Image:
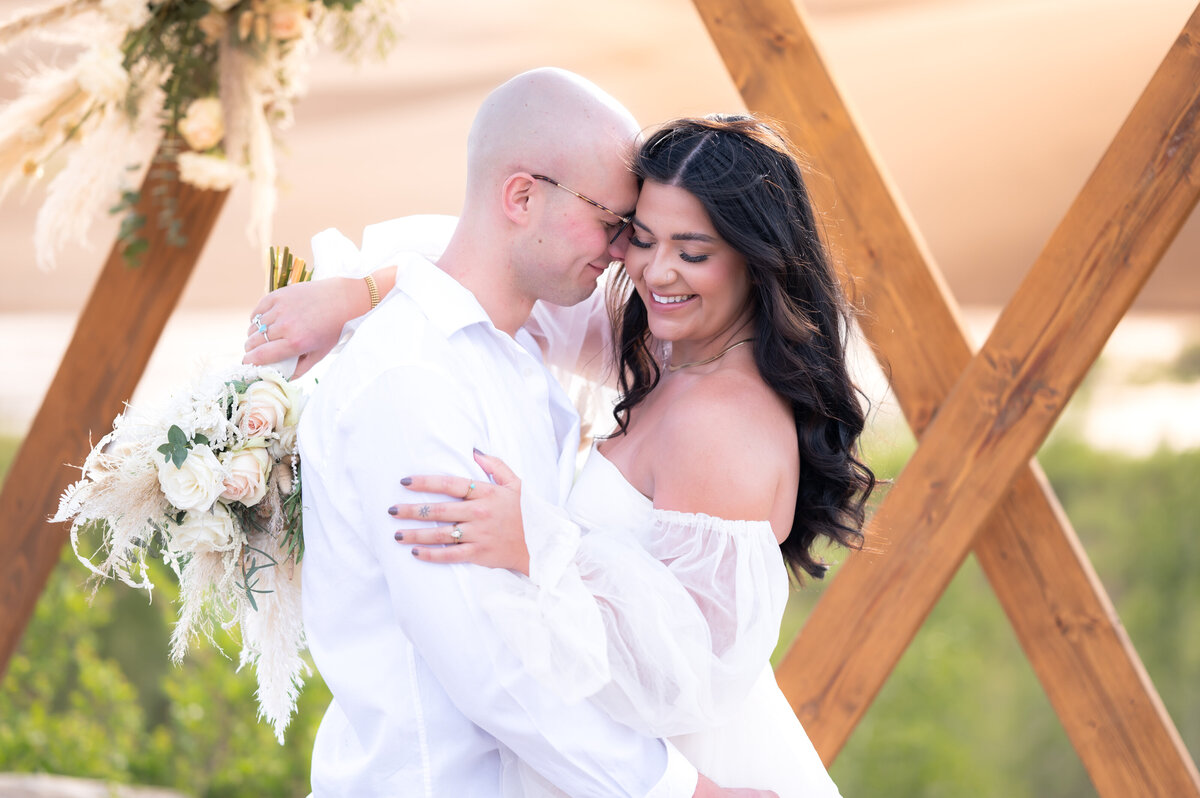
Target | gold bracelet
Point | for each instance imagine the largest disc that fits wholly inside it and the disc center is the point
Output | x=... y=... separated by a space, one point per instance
x=373 y=290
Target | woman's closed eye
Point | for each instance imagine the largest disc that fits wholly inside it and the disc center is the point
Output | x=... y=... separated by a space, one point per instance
x=692 y=258
x=637 y=242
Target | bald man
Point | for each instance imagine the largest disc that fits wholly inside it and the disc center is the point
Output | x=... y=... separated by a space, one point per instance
x=427 y=699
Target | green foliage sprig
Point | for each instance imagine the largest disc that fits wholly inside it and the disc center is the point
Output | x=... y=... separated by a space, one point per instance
x=176 y=449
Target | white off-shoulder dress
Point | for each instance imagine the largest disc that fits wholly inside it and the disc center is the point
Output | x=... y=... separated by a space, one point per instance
x=667 y=621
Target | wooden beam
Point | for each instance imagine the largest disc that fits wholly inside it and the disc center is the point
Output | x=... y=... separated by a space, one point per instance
x=1060 y=613
x=113 y=341
x=1012 y=391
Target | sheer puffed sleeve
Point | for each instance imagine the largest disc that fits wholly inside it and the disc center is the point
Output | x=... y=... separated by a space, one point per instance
x=666 y=627
x=383 y=244
x=576 y=339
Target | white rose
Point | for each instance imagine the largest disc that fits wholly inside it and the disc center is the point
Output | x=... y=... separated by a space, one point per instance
x=203 y=126
x=288 y=20
x=196 y=484
x=102 y=75
x=204 y=531
x=210 y=172
x=297 y=399
x=247 y=479
x=265 y=406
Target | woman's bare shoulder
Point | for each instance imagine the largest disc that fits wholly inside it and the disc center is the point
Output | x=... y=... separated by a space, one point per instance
x=724 y=445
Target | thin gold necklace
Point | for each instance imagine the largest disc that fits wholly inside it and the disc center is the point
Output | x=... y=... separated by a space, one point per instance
x=718 y=355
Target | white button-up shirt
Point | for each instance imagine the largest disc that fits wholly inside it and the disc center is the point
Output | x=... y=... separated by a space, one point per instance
x=427 y=699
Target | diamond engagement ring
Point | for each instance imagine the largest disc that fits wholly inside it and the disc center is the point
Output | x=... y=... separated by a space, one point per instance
x=456 y=534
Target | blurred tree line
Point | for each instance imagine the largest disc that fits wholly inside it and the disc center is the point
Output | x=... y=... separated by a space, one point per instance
x=91 y=693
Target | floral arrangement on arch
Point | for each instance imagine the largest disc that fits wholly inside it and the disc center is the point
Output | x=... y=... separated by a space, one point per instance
x=213 y=81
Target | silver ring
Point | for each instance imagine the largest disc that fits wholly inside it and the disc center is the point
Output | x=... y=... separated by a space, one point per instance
x=456 y=534
x=262 y=328
x=257 y=319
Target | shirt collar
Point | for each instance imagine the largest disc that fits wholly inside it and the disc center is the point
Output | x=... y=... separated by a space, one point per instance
x=449 y=305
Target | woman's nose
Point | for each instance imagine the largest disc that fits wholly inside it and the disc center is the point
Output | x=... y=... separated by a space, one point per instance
x=658 y=271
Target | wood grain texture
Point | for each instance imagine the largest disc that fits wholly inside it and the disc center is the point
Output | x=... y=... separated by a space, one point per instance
x=1065 y=622
x=113 y=340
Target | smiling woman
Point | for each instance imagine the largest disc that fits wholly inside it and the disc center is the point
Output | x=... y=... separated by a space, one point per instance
x=694 y=285
x=728 y=270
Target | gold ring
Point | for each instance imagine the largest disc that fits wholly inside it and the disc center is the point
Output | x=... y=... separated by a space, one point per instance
x=456 y=534
x=470 y=488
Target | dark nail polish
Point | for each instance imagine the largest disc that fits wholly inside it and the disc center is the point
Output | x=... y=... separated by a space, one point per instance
x=399 y=536
x=416 y=552
x=406 y=481
x=393 y=511
x=481 y=454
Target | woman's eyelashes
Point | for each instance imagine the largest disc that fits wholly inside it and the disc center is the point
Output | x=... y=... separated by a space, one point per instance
x=640 y=244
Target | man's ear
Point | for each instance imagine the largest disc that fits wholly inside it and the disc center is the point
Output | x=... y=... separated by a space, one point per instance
x=516 y=197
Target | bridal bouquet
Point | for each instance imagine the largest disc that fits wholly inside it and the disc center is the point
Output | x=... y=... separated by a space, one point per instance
x=211 y=485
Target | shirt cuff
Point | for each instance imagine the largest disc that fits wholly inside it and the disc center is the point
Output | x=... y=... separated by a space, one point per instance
x=680 y=778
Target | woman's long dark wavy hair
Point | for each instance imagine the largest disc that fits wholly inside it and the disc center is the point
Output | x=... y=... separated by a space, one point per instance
x=749 y=180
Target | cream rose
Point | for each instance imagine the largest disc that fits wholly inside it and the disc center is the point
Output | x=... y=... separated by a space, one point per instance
x=204 y=532
x=196 y=484
x=203 y=126
x=210 y=172
x=247 y=479
x=288 y=20
x=264 y=407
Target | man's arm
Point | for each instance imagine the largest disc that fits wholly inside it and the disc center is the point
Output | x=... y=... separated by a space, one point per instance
x=406 y=424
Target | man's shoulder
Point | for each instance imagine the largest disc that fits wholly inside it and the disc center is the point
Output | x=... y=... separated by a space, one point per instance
x=396 y=341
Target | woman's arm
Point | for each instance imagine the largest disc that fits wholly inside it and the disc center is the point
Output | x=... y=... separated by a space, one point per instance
x=690 y=608
x=305 y=320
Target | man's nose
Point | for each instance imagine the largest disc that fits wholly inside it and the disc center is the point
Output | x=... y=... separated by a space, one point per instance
x=619 y=245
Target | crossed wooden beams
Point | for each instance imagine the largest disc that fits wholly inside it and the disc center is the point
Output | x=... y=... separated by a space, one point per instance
x=971 y=482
